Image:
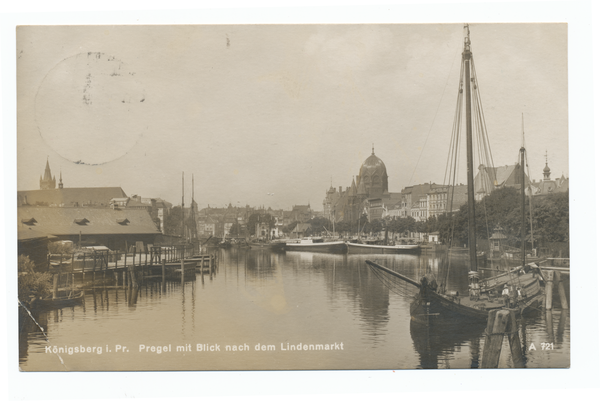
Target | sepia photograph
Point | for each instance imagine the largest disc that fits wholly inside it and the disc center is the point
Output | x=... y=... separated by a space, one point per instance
x=293 y=197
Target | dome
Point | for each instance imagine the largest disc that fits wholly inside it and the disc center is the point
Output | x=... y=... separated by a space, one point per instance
x=546 y=169
x=373 y=165
x=373 y=177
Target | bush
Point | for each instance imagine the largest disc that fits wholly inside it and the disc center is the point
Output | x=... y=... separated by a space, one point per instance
x=32 y=283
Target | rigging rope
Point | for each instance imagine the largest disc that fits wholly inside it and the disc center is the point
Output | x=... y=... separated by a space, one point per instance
x=394 y=284
x=435 y=115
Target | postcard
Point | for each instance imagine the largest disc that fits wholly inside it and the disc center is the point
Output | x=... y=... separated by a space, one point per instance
x=293 y=197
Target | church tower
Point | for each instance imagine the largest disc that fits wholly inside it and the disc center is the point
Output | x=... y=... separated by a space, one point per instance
x=372 y=179
x=546 y=169
x=48 y=182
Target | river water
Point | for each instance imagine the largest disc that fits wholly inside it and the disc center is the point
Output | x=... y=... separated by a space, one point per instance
x=260 y=310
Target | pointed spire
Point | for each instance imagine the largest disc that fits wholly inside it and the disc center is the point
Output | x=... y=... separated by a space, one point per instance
x=372 y=148
x=546 y=169
x=47 y=172
x=48 y=182
x=352 y=188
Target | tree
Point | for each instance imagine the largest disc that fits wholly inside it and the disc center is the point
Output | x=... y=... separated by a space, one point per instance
x=362 y=223
x=235 y=230
x=431 y=224
x=402 y=225
x=260 y=218
x=375 y=226
x=502 y=208
x=290 y=227
x=31 y=283
x=318 y=224
x=343 y=227
x=174 y=221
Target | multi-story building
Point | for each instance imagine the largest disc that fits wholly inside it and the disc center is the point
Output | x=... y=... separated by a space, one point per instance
x=445 y=198
x=371 y=183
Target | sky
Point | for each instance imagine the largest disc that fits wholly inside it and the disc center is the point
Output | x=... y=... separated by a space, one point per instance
x=274 y=115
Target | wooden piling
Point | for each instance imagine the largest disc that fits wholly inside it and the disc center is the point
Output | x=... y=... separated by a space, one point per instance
x=562 y=321
x=515 y=342
x=549 y=325
x=561 y=290
x=493 y=341
x=55 y=285
x=549 y=287
x=132 y=279
x=182 y=271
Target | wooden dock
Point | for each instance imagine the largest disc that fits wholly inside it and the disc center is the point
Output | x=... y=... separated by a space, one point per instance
x=89 y=268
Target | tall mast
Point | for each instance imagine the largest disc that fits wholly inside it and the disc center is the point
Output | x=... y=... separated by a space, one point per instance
x=523 y=195
x=182 y=210
x=466 y=56
x=192 y=215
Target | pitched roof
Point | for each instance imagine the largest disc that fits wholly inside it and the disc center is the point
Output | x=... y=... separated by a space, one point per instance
x=503 y=175
x=353 y=189
x=301 y=208
x=27 y=234
x=98 y=196
x=62 y=220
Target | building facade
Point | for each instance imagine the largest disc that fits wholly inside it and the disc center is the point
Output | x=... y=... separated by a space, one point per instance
x=371 y=183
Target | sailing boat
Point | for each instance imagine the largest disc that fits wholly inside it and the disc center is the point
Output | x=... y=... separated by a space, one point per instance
x=433 y=304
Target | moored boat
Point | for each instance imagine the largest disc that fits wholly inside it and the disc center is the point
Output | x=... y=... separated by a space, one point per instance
x=444 y=308
x=520 y=287
x=354 y=248
x=71 y=299
x=271 y=246
x=308 y=245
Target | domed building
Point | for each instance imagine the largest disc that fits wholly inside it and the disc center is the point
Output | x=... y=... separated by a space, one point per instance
x=348 y=205
x=372 y=179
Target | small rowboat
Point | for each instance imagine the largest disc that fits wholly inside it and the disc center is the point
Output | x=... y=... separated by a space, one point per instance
x=72 y=299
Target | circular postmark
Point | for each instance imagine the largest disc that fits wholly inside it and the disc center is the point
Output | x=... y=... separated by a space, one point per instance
x=90 y=108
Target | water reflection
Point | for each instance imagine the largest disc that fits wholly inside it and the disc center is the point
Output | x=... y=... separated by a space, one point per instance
x=255 y=296
x=436 y=346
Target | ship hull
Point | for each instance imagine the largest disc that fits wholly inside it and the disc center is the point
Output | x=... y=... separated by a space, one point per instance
x=326 y=247
x=382 y=249
x=438 y=310
x=275 y=247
